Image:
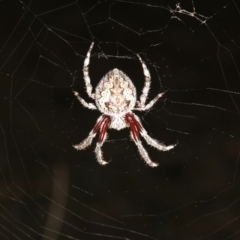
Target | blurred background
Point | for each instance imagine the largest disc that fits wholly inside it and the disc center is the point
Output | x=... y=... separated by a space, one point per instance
x=48 y=190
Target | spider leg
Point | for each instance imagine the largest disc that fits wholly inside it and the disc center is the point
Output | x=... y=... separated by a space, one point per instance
x=150 y=104
x=144 y=154
x=87 y=142
x=155 y=143
x=86 y=73
x=147 y=83
x=98 y=152
x=151 y=141
x=101 y=139
x=83 y=102
x=135 y=128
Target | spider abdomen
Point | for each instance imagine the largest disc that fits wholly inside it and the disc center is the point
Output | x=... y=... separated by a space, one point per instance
x=115 y=93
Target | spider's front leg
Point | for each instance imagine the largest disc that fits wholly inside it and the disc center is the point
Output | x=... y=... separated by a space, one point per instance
x=88 y=141
x=136 y=128
x=151 y=141
x=101 y=127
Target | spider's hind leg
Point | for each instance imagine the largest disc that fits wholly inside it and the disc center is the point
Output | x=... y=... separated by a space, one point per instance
x=144 y=107
x=83 y=102
x=147 y=83
x=86 y=76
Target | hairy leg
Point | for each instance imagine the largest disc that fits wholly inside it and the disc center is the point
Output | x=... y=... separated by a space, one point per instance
x=147 y=83
x=155 y=143
x=86 y=73
x=144 y=154
x=150 y=104
x=101 y=139
x=101 y=127
x=86 y=142
x=98 y=152
x=135 y=128
x=151 y=141
x=84 y=103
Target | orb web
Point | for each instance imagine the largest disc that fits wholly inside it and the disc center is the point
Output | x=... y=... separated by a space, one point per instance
x=50 y=191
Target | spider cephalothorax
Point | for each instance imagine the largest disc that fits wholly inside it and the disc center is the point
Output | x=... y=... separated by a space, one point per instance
x=116 y=97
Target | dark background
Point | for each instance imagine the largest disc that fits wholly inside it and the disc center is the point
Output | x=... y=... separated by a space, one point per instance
x=48 y=190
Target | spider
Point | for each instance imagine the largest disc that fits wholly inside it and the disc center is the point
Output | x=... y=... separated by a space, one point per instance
x=115 y=97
